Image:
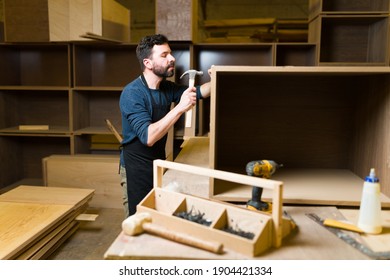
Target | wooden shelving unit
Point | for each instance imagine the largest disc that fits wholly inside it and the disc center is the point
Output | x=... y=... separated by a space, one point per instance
x=350 y=32
x=74 y=86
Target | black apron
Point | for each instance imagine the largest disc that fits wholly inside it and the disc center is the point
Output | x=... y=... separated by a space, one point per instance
x=139 y=158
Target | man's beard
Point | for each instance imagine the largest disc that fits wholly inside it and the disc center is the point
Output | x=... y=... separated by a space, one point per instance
x=163 y=72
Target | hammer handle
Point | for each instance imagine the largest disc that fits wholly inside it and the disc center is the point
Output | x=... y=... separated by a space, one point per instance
x=186 y=239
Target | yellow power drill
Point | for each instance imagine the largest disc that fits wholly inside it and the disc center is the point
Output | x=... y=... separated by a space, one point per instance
x=263 y=169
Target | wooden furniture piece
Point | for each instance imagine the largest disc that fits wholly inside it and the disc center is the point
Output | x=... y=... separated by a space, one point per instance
x=97 y=172
x=327 y=125
x=64 y=20
x=310 y=242
x=34 y=221
x=69 y=87
x=350 y=32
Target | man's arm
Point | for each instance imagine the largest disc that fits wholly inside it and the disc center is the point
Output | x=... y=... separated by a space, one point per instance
x=205 y=89
x=158 y=129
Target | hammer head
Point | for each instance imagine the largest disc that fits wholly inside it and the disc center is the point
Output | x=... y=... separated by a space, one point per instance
x=133 y=225
x=191 y=73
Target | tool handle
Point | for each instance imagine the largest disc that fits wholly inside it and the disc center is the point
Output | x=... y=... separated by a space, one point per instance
x=342 y=225
x=188 y=116
x=191 y=82
x=186 y=239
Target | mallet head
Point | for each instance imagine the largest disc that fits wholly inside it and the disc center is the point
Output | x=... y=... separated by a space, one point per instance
x=133 y=225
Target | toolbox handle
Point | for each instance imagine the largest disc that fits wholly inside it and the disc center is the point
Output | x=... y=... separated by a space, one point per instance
x=276 y=186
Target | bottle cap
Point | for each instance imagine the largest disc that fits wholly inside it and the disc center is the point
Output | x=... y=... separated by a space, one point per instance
x=372 y=177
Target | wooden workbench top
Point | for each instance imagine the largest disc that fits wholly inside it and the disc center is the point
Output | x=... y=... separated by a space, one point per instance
x=310 y=242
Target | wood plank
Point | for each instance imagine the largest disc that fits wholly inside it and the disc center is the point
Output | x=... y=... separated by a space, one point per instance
x=33 y=127
x=53 y=195
x=239 y=22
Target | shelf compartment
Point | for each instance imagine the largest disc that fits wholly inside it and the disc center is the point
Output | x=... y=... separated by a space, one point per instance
x=194 y=206
x=295 y=54
x=303 y=117
x=317 y=7
x=35 y=107
x=95 y=143
x=24 y=156
x=92 y=107
x=35 y=65
x=355 y=40
x=104 y=65
x=207 y=55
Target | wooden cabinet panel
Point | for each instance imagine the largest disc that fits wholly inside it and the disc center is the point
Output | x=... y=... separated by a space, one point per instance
x=352 y=40
x=304 y=117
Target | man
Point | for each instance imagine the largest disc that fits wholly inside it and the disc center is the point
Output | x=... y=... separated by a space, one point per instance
x=146 y=115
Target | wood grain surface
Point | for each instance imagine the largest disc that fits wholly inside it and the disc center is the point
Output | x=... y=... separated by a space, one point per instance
x=33 y=220
x=309 y=242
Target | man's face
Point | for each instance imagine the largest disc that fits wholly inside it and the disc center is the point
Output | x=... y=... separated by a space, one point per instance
x=162 y=60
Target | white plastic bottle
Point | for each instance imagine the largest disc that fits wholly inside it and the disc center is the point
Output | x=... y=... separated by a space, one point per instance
x=370 y=206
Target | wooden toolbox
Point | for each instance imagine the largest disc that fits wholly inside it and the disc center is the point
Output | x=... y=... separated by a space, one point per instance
x=224 y=220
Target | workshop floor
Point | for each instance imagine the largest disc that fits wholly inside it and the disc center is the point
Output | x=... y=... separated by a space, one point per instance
x=92 y=239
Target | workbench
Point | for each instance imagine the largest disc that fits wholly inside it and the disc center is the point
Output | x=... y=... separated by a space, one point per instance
x=309 y=241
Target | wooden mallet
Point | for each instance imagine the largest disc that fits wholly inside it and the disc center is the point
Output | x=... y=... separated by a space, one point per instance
x=142 y=222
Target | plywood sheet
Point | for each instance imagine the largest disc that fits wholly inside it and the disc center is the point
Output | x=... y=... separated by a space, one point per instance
x=35 y=219
x=194 y=151
x=45 y=195
x=20 y=223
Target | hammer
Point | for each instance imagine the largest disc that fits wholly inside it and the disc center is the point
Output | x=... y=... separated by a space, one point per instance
x=142 y=222
x=191 y=74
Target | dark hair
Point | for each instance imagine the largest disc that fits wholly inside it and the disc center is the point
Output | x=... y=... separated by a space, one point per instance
x=145 y=46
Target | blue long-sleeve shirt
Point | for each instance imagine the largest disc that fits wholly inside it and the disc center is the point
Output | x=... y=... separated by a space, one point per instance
x=136 y=106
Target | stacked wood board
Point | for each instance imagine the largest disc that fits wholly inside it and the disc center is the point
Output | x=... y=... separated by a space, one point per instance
x=58 y=20
x=98 y=172
x=34 y=221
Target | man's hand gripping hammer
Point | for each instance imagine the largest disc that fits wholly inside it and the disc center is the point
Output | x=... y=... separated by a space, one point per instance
x=189 y=115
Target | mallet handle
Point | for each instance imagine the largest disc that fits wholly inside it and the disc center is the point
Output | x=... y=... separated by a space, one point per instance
x=186 y=239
